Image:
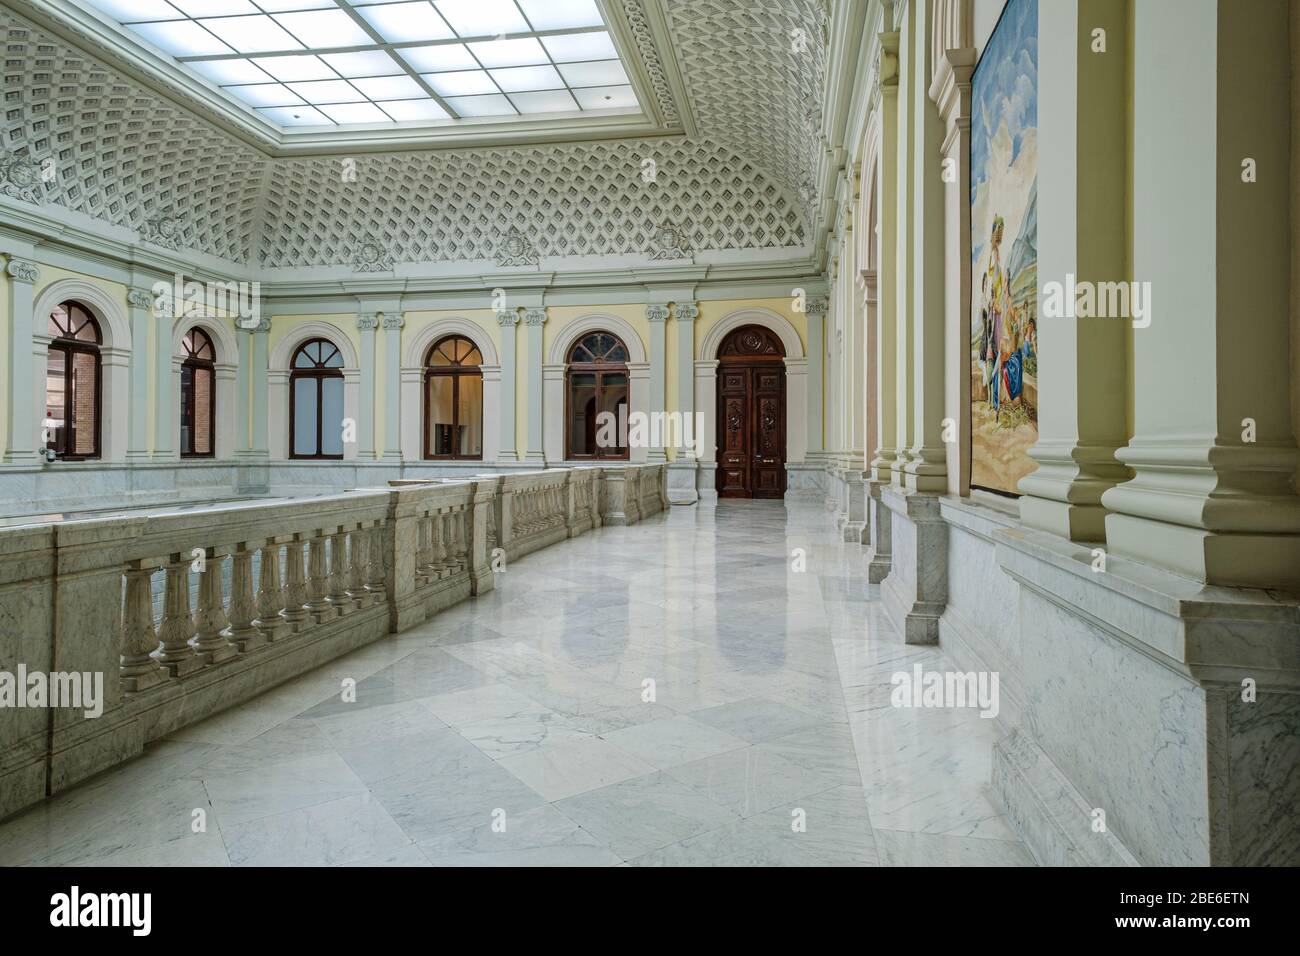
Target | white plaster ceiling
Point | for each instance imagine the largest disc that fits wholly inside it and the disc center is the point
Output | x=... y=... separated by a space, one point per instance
x=745 y=78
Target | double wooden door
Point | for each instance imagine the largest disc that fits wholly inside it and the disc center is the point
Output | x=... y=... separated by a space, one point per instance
x=751 y=429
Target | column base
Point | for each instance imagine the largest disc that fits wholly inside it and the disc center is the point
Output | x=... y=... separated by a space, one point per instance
x=916 y=590
x=535 y=459
x=878 y=533
x=682 y=483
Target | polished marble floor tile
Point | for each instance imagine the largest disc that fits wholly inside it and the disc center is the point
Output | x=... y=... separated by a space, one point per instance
x=673 y=693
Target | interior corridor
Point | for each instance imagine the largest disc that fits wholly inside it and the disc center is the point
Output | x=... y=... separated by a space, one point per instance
x=513 y=729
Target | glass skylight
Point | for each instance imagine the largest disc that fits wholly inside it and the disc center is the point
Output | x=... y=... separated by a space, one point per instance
x=313 y=63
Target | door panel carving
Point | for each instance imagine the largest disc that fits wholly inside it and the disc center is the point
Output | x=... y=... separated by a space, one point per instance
x=751 y=415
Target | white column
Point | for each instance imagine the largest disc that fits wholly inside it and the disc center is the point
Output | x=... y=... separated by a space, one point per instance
x=682 y=477
x=639 y=375
x=657 y=316
x=140 y=304
x=553 y=425
x=243 y=379
x=885 y=454
x=260 y=371
x=24 y=418
x=535 y=454
x=393 y=386
x=816 y=316
x=367 y=324
x=508 y=452
x=165 y=415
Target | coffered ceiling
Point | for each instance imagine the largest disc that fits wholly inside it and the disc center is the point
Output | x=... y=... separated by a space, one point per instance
x=688 y=126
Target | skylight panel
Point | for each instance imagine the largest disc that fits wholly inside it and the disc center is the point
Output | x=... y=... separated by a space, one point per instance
x=482 y=18
x=606 y=97
x=580 y=46
x=181 y=38
x=464 y=83
x=264 y=94
x=390 y=87
x=407 y=22
x=521 y=52
x=410 y=111
x=355 y=113
x=287 y=68
x=232 y=71
x=561 y=14
x=295 y=116
x=363 y=63
x=520 y=78
x=327 y=91
x=324 y=28
x=596 y=73
x=548 y=101
x=439 y=59
x=127 y=11
x=481 y=105
x=215 y=8
x=257 y=34
x=282 y=6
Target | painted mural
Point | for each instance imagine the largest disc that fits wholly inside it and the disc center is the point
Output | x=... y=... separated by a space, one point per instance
x=1004 y=252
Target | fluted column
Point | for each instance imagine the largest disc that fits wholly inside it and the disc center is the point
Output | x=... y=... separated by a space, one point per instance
x=366 y=325
x=23 y=416
x=657 y=316
x=393 y=386
x=534 y=320
x=139 y=305
x=508 y=451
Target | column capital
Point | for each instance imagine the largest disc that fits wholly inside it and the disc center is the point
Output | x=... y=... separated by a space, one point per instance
x=261 y=325
x=22 y=271
x=394 y=322
x=367 y=321
x=817 y=305
x=535 y=317
x=507 y=318
x=688 y=312
x=656 y=313
x=139 y=298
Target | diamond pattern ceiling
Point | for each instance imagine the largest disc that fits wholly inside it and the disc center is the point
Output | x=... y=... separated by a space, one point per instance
x=127 y=156
x=326 y=63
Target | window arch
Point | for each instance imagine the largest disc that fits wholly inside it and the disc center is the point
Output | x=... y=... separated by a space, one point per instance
x=198 y=395
x=316 y=401
x=596 y=391
x=453 y=400
x=73 y=383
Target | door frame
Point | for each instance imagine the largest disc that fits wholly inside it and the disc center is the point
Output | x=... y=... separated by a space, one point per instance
x=750 y=365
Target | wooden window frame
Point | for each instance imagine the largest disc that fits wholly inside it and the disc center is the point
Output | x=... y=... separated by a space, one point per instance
x=319 y=374
x=601 y=369
x=70 y=346
x=193 y=362
x=455 y=372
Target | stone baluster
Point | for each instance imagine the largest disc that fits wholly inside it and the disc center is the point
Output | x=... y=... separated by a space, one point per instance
x=176 y=652
x=139 y=669
x=461 y=554
x=339 y=573
x=441 y=564
x=295 y=585
x=318 y=580
x=425 y=561
x=359 y=558
x=377 y=568
x=270 y=596
x=243 y=607
x=210 y=620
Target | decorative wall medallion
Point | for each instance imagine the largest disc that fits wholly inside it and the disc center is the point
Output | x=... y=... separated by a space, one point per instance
x=371 y=256
x=514 y=249
x=20 y=178
x=670 y=242
x=162 y=231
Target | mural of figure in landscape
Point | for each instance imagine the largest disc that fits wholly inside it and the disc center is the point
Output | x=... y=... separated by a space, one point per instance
x=1004 y=252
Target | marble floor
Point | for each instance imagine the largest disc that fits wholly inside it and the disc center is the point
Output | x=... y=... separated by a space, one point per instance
x=708 y=687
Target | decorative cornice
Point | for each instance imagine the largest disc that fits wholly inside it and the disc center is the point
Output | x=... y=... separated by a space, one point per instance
x=535 y=317
x=22 y=270
x=686 y=313
x=645 y=46
x=367 y=322
x=656 y=313
x=393 y=323
x=507 y=318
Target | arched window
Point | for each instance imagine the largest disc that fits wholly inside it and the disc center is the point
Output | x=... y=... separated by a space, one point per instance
x=453 y=400
x=597 y=391
x=198 y=395
x=73 y=383
x=316 y=401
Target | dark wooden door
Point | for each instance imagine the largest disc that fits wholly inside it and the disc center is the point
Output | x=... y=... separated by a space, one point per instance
x=751 y=429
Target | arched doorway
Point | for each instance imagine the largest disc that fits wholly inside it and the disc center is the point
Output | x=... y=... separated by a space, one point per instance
x=751 y=414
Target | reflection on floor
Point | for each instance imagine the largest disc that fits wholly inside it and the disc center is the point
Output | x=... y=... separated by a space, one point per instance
x=669 y=693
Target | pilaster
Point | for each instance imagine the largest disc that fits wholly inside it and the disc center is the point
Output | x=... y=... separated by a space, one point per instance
x=21 y=429
x=139 y=306
x=367 y=324
x=393 y=325
x=508 y=320
x=657 y=316
x=535 y=320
